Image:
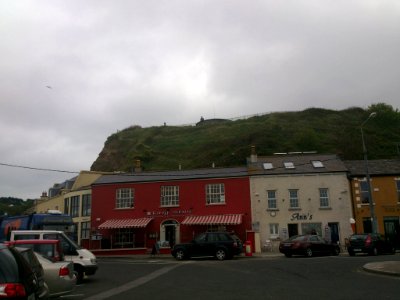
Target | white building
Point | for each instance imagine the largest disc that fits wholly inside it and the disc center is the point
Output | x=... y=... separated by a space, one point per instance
x=299 y=194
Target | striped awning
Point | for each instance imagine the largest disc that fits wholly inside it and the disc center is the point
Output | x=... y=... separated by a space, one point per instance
x=125 y=223
x=213 y=220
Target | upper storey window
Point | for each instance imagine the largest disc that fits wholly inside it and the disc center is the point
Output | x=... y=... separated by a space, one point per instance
x=169 y=195
x=124 y=198
x=215 y=193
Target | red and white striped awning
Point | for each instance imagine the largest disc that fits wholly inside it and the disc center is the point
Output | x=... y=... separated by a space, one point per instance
x=125 y=223
x=213 y=220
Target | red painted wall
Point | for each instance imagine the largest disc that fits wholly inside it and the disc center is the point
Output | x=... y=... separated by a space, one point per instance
x=192 y=201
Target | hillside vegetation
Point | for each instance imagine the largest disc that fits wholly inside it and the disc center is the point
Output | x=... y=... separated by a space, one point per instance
x=14 y=206
x=227 y=143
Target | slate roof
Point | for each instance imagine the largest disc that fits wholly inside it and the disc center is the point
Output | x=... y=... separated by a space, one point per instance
x=378 y=167
x=302 y=164
x=172 y=175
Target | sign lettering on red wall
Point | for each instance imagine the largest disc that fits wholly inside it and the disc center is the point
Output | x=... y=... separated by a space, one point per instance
x=163 y=213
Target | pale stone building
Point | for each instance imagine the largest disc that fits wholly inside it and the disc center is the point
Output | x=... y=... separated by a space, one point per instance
x=298 y=194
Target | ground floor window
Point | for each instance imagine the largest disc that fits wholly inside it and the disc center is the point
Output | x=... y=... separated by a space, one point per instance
x=124 y=237
x=311 y=228
x=214 y=228
x=85 y=230
x=274 y=230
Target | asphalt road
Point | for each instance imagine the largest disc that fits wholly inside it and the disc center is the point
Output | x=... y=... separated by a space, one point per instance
x=336 y=277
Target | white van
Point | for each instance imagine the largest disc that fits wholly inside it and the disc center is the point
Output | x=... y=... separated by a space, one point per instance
x=84 y=261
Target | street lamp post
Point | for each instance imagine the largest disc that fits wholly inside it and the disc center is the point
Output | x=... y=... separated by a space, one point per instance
x=370 y=200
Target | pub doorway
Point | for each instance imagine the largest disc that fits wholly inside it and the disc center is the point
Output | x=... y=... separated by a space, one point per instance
x=170 y=232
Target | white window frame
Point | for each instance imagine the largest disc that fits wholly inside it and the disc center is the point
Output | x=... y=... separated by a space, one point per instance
x=271 y=198
x=324 y=197
x=124 y=198
x=398 y=189
x=86 y=205
x=274 y=230
x=75 y=206
x=85 y=230
x=215 y=193
x=294 y=199
x=169 y=195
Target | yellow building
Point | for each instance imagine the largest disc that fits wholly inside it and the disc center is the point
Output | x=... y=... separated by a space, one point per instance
x=385 y=192
x=73 y=197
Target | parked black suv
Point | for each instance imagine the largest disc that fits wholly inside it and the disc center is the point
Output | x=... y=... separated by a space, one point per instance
x=371 y=243
x=17 y=279
x=220 y=245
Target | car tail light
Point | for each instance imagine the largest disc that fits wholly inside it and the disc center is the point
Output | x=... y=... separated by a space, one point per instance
x=64 y=271
x=368 y=241
x=10 y=290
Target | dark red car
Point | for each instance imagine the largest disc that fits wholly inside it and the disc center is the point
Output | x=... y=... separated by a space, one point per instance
x=308 y=245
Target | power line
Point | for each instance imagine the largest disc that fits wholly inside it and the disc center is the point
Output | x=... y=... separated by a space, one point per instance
x=37 y=169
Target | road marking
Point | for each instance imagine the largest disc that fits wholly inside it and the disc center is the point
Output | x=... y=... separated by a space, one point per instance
x=72 y=295
x=133 y=284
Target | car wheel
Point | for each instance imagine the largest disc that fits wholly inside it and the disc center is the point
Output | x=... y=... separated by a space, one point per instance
x=374 y=251
x=351 y=253
x=220 y=254
x=288 y=254
x=180 y=254
x=79 y=274
x=309 y=252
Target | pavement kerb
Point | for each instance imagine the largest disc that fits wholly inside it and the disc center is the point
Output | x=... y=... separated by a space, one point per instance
x=391 y=268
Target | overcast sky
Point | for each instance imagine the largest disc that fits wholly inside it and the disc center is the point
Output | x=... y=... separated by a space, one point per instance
x=74 y=72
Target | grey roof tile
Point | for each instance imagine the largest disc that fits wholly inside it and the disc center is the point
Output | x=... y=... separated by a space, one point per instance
x=378 y=167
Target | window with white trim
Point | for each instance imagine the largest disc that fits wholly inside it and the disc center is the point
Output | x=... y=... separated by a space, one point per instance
x=215 y=193
x=169 y=195
x=75 y=206
x=86 y=205
x=293 y=199
x=85 y=230
x=124 y=198
x=271 y=196
x=323 y=197
x=398 y=189
x=274 y=230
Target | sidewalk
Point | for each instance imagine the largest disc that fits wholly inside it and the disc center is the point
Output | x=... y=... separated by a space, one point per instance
x=385 y=267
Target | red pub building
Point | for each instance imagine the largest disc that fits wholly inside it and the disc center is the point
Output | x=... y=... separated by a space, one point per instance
x=133 y=211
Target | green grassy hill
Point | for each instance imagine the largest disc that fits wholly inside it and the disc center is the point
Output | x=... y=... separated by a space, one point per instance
x=227 y=142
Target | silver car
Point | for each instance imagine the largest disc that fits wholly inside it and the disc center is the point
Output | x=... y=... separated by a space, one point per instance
x=59 y=275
